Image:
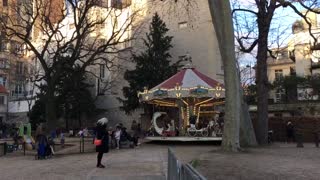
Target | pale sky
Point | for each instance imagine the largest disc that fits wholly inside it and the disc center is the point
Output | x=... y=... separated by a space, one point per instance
x=281 y=24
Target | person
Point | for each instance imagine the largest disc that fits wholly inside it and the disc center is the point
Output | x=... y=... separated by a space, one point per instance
x=62 y=139
x=71 y=133
x=117 y=136
x=103 y=135
x=126 y=136
x=80 y=133
x=290 y=131
x=139 y=130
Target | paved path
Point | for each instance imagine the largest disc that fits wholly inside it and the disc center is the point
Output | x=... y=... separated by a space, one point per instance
x=145 y=163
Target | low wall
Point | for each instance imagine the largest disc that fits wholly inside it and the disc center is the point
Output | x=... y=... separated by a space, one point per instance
x=307 y=126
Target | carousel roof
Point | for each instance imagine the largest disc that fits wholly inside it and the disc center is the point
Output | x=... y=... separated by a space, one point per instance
x=188 y=78
x=185 y=84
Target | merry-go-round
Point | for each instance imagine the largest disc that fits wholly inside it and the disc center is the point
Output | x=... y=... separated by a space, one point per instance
x=197 y=102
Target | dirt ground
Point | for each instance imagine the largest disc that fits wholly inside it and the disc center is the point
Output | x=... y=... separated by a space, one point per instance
x=149 y=161
x=276 y=162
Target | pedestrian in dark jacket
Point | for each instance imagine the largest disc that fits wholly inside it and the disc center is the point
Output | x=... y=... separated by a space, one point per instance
x=103 y=135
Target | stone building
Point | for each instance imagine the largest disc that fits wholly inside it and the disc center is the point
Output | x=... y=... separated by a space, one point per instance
x=299 y=58
x=193 y=37
x=191 y=26
x=15 y=65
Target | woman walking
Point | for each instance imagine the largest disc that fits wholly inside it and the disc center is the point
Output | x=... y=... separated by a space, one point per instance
x=102 y=140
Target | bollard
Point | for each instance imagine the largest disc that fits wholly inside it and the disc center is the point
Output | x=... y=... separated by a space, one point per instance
x=316 y=139
x=83 y=144
x=5 y=148
x=24 y=148
x=299 y=140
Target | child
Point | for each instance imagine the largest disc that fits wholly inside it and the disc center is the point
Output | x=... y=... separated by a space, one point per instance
x=117 y=136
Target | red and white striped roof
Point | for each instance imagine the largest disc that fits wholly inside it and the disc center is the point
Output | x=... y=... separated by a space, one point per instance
x=188 y=78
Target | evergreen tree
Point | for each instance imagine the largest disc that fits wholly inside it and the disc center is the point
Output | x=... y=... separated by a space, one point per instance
x=152 y=66
x=72 y=98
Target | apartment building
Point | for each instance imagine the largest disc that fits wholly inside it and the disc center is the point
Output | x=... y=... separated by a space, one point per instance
x=300 y=58
x=192 y=29
x=15 y=66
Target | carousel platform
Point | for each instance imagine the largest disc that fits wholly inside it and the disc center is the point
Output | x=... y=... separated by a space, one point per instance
x=184 y=139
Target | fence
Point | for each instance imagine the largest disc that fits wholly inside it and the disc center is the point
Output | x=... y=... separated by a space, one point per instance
x=180 y=171
x=72 y=145
x=307 y=127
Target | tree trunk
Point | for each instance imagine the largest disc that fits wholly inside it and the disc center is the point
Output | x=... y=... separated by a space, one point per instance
x=51 y=116
x=263 y=87
x=222 y=21
x=247 y=135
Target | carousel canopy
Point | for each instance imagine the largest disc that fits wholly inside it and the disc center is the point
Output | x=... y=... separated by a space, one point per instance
x=188 y=78
x=185 y=84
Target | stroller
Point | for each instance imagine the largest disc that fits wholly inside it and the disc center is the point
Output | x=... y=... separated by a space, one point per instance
x=44 y=147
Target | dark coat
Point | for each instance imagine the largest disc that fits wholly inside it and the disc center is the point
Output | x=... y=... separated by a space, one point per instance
x=102 y=134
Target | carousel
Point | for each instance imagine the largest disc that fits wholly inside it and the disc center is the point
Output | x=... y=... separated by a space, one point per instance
x=198 y=101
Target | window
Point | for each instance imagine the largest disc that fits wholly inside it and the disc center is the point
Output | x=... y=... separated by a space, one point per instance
x=120 y=4
x=2 y=100
x=278 y=74
x=127 y=43
x=5 y=46
x=19 y=67
x=279 y=95
x=3 y=81
x=318 y=20
x=279 y=55
x=277 y=114
x=18 y=90
x=183 y=25
x=5 y=2
x=102 y=71
x=3 y=63
x=72 y=26
x=292 y=71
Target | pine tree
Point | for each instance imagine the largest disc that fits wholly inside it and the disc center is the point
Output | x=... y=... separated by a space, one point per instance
x=153 y=66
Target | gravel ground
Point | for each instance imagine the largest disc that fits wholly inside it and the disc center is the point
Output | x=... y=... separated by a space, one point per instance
x=149 y=162
x=146 y=162
x=277 y=162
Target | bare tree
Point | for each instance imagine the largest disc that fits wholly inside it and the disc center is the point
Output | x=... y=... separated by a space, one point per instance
x=262 y=13
x=75 y=31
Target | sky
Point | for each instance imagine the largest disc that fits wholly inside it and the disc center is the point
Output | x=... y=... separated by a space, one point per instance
x=281 y=24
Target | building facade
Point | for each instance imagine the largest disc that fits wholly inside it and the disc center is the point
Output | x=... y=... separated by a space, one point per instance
x=16 y=66
x=193 y=38
x=299 y=58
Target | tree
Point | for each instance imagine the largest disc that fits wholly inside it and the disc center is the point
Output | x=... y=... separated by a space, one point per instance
x=152 y=65
x=73 y=95
x=262 y=13
x=222 y=21
x=43 y=26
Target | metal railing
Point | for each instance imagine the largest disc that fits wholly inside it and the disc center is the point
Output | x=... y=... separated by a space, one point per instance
x=180 y=171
